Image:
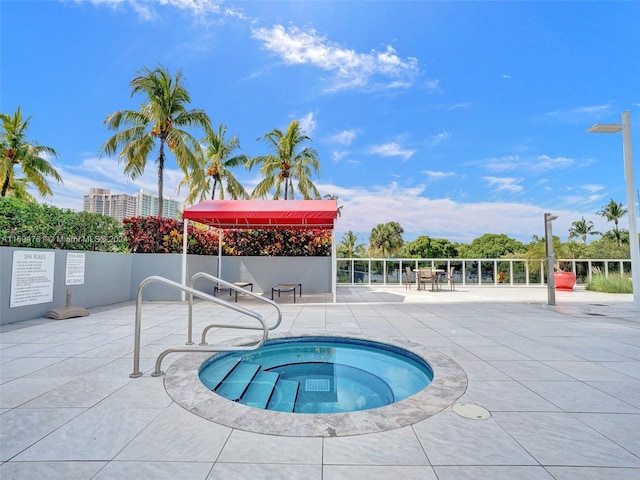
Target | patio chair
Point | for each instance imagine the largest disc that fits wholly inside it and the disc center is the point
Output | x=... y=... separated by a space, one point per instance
x=410 y=277
x=427 y=275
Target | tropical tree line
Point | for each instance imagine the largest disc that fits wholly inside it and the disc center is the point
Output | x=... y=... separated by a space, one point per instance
x=386 y=241
x=163 y=126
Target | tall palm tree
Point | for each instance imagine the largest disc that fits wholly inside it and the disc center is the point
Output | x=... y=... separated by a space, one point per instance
x=582 y=228
x=15 y=149
x=613 y=212
x=349 y=246
x=18 y=189
x=161 y=119
x=280 y=170
x=214 y=172
x=386 y=239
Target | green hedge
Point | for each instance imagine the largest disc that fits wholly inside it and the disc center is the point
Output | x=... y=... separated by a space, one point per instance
x=164 y=235
x=33 y=225
x=315 y=242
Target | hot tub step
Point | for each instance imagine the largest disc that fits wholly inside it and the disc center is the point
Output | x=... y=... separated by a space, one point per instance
x=284 y=396
x=235 y=384
x=213 y=377
x=261 y=389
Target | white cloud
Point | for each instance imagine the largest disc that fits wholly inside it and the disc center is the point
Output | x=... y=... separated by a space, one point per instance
x=366 y=207
x=505 y=184
x=392 y=149
x=433 y=85
x=461 y=105
x=350 y=69
x=308 y=123
x=580 y=115
x=499 y=164
x=546 y=163
x=541 y=163
x=439 y=138
x=434 y=174
x=580 y=200
x=589 y=194
x=343 y=138
x=147 y=9
x=592 y=188
x=337 y=156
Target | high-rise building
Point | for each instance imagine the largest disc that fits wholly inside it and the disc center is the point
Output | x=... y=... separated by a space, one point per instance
x=102 y=201
x=147 y=204
x=121 y=206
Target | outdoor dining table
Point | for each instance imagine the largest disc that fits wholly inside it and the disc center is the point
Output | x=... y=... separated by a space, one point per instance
x=435 y=273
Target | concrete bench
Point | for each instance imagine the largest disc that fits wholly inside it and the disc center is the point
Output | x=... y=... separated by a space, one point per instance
x=287 y=287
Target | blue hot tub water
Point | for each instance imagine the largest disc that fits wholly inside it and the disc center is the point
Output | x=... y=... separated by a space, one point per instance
x=317 y=375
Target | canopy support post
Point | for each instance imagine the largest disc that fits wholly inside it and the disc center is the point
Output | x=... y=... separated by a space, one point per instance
x=220 y=232
x=184 y=258
x=334 y=262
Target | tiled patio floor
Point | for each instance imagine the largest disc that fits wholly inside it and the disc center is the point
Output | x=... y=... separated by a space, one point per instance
x=562 y=384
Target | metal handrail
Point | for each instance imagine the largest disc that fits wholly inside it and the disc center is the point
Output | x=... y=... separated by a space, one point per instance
x=192 y=292
x=232 y=306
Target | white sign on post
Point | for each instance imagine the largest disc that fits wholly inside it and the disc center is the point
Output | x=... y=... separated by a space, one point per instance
x=75 y=269
x=32 y=278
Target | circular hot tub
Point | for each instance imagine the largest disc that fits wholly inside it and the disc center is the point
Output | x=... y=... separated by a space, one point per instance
x=383 y=400
x=317 y=375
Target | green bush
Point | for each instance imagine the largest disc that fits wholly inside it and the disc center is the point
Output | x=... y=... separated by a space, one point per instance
x=611 y=284
x=164 y=235
x=315 y=242
x=33 y=225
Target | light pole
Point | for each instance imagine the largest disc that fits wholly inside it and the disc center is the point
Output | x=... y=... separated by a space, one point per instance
x=548 y=237
x=631 y=210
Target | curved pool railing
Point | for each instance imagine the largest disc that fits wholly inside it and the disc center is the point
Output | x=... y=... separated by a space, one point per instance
x=233 y=287
x=193 y=293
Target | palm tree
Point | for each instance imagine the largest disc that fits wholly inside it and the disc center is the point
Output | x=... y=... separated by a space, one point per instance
x=349 y=246
x=18 y=189
x=16 y=150
x=162 y=118
x=613 y=212
x=582 y=228
x=214 y=171
x=287 y=165
x=386 y=239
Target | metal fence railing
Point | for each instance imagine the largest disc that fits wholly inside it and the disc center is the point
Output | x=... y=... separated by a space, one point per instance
x=471 y=271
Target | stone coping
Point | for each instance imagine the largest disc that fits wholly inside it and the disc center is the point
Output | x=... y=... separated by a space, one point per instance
x=449 y=383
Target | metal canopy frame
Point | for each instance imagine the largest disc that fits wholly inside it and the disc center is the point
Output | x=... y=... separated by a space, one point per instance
x=262 y=214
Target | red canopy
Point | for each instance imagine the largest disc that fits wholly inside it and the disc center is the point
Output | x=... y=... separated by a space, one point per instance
x=264 y=213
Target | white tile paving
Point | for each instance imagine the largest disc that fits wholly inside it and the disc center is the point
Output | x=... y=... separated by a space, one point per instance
x=563 y=388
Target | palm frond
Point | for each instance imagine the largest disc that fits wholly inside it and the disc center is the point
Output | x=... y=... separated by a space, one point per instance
x=28 y=156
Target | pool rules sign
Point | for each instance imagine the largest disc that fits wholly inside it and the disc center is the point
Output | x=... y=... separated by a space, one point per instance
x=74 y=274
x=31 y=278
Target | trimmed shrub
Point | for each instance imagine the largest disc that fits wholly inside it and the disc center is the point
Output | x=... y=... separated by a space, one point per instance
x=164 y=235
x=314 y=242
x=33 y=225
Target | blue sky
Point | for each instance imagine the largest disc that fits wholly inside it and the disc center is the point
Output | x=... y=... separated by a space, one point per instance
x=454 y=119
